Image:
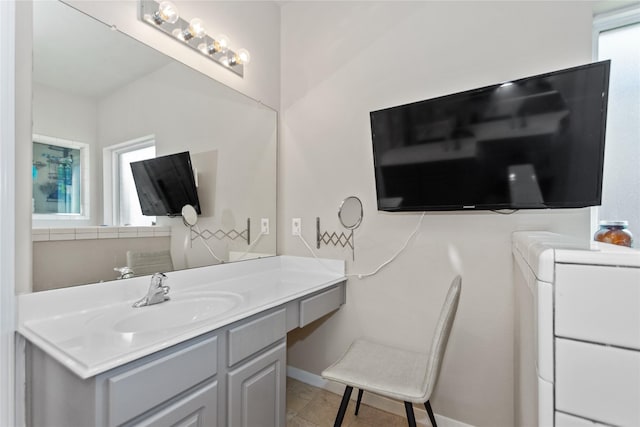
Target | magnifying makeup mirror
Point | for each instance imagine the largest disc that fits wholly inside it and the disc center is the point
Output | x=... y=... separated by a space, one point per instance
x=350 y=213
x=189 y=215
x=190 y=219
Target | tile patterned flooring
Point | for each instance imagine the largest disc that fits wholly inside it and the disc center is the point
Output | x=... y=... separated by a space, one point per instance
x=308 y=406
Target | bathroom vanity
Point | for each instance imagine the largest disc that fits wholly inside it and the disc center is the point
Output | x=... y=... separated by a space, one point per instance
x=214 y=354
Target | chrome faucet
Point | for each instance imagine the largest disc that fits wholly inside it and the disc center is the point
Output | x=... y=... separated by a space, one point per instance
x=157 y=292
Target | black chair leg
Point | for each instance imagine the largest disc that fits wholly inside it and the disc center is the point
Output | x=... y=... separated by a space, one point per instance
x=411 y=418
x=430 y=412
x=343 y=406
x=360 y=391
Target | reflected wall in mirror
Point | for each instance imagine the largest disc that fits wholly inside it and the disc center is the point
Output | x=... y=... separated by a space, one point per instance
x=122 y=97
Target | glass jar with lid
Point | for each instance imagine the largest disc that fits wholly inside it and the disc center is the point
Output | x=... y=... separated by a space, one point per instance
x=614 y=232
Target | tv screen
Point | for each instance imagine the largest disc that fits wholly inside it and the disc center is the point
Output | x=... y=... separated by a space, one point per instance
x=165 y=184
x=536 y=142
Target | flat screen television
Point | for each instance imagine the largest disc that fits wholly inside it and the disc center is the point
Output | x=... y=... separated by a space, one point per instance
x=165 y=184
x=536 y=142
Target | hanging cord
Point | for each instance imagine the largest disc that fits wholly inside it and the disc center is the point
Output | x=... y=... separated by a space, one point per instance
x=251 y=246
x=384 y=264
x=204 y=242
x=313 y=252
x=390 y=260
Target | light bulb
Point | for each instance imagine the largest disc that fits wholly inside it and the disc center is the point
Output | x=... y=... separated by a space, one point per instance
x=219 y=45
x=167 y=12
x=243 y=56
x=223 y=41
x=240 y=57
x=196 y=28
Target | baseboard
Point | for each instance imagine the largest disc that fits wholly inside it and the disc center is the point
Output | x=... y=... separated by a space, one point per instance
x=388 y=405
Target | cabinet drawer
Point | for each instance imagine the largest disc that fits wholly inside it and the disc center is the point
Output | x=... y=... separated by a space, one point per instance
x=565 y=420
x=139 y=389
x=598 y=382
x=315 y=307
x=251 y=337
x=599 y=304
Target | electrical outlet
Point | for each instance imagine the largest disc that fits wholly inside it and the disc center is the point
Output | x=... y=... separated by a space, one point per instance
x=264 y=225
x=296 y=226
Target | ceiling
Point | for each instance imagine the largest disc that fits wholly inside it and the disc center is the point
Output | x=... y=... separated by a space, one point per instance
x=64 y=40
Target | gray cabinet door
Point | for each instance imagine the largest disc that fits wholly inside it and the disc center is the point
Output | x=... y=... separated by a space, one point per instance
x=197 y=409
x=257 y=390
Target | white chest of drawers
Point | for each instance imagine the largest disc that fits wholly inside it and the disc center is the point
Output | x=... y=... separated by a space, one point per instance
x=577 y=332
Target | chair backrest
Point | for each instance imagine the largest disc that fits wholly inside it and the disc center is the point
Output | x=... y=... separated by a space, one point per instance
x=441 y=336
x=144 y=263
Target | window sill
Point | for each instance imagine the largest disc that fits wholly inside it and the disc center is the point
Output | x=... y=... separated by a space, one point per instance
x=97 y=232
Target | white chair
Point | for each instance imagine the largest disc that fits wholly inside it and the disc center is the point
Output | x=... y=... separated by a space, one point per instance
x=144 y=263
x=395 y=373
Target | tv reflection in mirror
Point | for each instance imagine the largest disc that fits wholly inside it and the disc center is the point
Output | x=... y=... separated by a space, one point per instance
x=536 y=142
x=165 y=184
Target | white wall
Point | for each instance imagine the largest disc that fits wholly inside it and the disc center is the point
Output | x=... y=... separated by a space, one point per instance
x=7 y=214
x=63 y=115
x=341 y=60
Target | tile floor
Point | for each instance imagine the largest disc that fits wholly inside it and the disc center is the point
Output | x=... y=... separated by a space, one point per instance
x=309 y=406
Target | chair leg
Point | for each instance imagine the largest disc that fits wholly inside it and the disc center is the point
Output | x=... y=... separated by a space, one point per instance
x=360 y=391
x=430 y=412
x=343 y=406
x=411 y=418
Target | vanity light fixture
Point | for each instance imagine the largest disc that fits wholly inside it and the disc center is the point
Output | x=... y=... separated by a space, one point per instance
x=164 y=16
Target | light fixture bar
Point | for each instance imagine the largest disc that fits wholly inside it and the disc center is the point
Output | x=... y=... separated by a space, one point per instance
x=205 y=45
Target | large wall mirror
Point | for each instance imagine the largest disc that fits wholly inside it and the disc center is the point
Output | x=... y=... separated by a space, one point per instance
x=121 y=101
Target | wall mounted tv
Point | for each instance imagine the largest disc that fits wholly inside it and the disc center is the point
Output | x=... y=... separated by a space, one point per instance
x=536 y=142
x=165 y=184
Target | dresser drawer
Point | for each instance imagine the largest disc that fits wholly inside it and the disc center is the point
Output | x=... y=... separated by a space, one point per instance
x=141 y=388
x=315 y=307
x=253 y=336
x=598 y=382
x=598 y=303
x=566 y=420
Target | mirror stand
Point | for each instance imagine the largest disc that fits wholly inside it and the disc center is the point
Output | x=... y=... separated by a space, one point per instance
x=350 y=214
x=220 y=234
x=334 y=238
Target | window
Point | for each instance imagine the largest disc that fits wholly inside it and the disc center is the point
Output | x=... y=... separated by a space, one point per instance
x=617 y=37
x=59 y=172
x=121 y=198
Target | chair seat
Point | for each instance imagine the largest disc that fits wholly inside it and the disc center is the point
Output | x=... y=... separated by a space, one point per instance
x=388 y=371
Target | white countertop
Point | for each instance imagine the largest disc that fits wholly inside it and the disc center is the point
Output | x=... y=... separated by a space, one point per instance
x=540 y=249
x=80 y=326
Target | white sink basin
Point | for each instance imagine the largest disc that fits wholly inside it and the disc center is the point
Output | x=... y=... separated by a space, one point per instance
x=181 y=310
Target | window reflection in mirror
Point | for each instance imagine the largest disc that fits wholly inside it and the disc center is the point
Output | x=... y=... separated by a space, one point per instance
x=57 y=172
x=122 y=198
